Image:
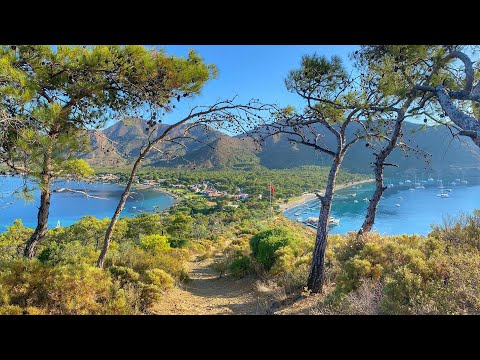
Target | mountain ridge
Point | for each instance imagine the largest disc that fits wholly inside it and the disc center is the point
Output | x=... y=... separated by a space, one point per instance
x=212 y=148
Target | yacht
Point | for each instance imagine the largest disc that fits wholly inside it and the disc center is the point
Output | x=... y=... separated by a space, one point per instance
x=333 y=222
x=355 y=201
x=407 y=181
x=397 y=205
x=296 y=214
x=443 y=193
x=400 y=183
x=430 y=179
x=401 y=198
x=454 y=183
x=313 y=221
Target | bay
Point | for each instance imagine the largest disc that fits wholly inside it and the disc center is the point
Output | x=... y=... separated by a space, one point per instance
x=418 y=210
x=68 y=207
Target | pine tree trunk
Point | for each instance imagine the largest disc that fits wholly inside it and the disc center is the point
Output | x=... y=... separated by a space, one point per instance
x=119 y=209
x=43 y=210
x=375 y=200
x=317 y=270
x=379 y=165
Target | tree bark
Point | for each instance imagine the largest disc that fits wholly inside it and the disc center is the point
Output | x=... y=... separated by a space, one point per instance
x=377 y=195
x=379 y=167
x=464 y=121
x=120 y=206
x=317 y=270
x=44 y=209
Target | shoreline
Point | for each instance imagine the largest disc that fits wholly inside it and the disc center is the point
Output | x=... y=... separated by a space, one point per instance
x=311 y=196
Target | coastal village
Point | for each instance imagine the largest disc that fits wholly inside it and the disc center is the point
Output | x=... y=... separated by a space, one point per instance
x=204 y=188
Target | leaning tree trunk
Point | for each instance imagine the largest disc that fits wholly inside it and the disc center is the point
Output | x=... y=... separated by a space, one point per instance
x=317 y=270
x=379 y=167
x=377 y=195
x=43 y=210
x=119 y=209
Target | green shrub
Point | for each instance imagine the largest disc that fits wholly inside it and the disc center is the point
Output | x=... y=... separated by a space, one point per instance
x=159 y=278
x=149 y=295
x=155 y=243
x=266 y=243
x=11 y=310
x=240 y=266
x=12 y=242
x=124 y=274
x=59 y=289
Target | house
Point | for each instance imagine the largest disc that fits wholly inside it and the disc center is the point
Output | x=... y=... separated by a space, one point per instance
x=241 y=196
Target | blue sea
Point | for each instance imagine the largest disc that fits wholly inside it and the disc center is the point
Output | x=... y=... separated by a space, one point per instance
x=68 y=207
x=418 y=210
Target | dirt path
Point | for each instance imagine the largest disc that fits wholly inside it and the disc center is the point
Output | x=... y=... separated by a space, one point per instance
x=207 y=294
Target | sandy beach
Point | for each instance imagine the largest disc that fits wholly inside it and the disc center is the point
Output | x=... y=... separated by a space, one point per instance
x=310 y=196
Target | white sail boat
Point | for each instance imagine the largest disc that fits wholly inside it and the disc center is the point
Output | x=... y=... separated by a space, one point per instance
x=417 y=184
x=58 y=224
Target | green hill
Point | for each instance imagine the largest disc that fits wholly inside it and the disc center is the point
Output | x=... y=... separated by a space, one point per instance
x=207 y=148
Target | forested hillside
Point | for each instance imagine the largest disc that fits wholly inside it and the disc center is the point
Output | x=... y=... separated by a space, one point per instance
x=217 y=149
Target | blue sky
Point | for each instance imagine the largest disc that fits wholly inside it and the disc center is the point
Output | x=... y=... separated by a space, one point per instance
x=251 y=71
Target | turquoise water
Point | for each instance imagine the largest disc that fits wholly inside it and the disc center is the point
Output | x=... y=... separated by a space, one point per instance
x=417 y=211
x=70 y=207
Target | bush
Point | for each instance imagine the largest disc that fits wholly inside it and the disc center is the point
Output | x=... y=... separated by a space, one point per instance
x=266 y=243
x=155 y=243
x=240 y=266
x=124 y=274
x=11 y=310
x=61 y=289
x=159 y=278
x=149 y=295
x=12 y=242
